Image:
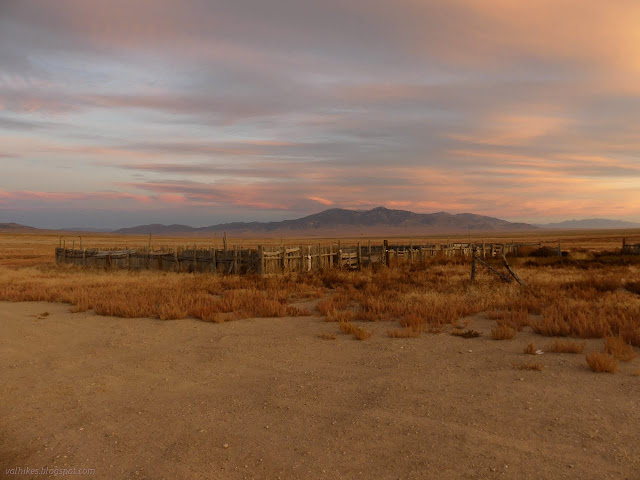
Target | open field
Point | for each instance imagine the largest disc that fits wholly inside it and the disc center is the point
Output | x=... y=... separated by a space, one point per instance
x=404 y=372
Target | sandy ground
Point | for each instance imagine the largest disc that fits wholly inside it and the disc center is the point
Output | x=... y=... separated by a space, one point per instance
x=144 y=398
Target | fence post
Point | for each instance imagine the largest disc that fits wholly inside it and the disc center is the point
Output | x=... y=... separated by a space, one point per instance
x=331 y=255
x=359 y=257
x=283 y=263
x=84 y=257
x=302 y=269
x=339 y=256
x=235 y=260
x=369 y=251
x=175 y=258
x=260 y=260
x=473 y=264
x=385 y=253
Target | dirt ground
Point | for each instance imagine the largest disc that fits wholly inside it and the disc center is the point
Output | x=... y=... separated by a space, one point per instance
x=268 y=398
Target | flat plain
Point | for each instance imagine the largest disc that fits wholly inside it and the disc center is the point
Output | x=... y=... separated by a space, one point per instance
x=402 y=372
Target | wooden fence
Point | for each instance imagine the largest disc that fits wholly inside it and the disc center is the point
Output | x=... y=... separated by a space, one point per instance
x=275 y=259
x=630 y=248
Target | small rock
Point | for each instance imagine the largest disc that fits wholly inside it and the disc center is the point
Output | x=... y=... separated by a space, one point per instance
x=226 y=445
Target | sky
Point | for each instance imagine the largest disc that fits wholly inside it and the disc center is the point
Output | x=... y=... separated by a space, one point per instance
x=198 y=112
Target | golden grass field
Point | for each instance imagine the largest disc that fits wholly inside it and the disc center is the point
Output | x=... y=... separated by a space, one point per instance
x=586 y=305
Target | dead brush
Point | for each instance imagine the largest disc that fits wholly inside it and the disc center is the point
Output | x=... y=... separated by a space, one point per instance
x=530 y=349
x=565 y=346
x=468 y=333
x=617 y=347
x=601 y=362
x=533 y=366
x=503 y=332
x=357 y=332
x=340 y=316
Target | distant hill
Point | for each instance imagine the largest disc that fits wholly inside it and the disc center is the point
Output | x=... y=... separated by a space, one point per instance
x=86 y=230
x=17 y=228
x=338 y=221
x=590 y=223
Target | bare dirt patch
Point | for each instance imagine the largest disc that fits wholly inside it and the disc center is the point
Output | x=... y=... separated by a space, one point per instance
x=146 y=398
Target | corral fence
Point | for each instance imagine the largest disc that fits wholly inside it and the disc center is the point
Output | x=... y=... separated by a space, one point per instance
x=275 y=259
x=630 y=248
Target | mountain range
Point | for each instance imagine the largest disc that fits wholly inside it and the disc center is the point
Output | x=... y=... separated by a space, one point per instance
x=590 y=223
x=339 y=221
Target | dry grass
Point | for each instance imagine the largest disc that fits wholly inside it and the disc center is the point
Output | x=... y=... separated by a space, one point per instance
x=535 y=366
x=585 y=296
x=636 y=373
x=620 y=349
x=358 y=333
x=530 y=349
x=602 y=362
x=503 y=332
x=565 y=346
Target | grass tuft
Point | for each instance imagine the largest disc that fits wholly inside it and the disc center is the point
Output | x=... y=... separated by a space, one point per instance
x=620 y=349
x=503 y=332
x=535 y=366
x=565 y=346
x=602 y=362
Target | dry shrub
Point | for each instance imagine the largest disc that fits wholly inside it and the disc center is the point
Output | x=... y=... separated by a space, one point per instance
x=636 y=373
x=357 y=332
x=340 y=316
x=327 y=336
x=469 y=333
x=530 y=349
x=565 y=346
x=406 y=332
x=503 y=332
x=620 y=349
x=213 y=317
x=362 y=334
x=171 y=311
x=601 y=362
x=496 y=314
x=535 y=366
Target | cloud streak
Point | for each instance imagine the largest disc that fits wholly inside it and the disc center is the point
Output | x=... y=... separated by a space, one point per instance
x=522 y=110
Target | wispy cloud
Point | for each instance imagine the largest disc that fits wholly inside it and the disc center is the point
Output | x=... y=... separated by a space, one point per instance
x=525 y=110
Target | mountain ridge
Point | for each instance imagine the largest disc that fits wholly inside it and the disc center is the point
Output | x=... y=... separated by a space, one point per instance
x=346 y=221
x=589 y=224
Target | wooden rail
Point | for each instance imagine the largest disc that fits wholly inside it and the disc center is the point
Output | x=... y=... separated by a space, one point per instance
x=275 y=259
